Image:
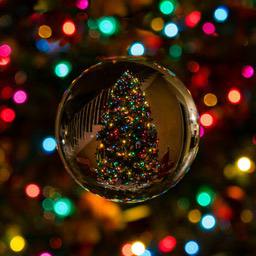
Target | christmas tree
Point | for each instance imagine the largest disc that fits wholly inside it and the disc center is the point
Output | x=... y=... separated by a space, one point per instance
x=127 y=152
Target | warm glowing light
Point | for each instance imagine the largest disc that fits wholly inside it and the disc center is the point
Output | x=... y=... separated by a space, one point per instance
x=192 y=19
x=244 y=164
x=171 y=30
x=206 y=120
x=138 y=248
x=62 y=69
x=166 y=6
x=32 y=190
x=4 y=61
x=194 y=216
x=108 y=25
x=44 y=31
x=193 y=66
x=137 y=49
x=167 y=244
x=17 y=243
x=191 y=247
x=82 y=4
x=234 y=96
x=127 y=250
x=235 y=192
x=208 y=28
x=6 y=92
x=5 y=50
x=7 y=115
x=208 y=221
x=247 y=71
x=210 y=99
x=221 y=13
x=49 y=144
x=20 y=97
x=157 y=24
x=246 y=216
x=69 y=28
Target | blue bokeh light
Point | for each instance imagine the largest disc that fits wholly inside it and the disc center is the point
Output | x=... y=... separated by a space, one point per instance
x=191 y=247
x=221 y=13
x=171 y=29
x=137 y=49
x=49 y=144
x=208 y=221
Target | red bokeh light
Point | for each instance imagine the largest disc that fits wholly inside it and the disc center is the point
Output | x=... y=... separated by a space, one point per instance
x=69 y=28
x=192 y=19
x=127 y=250
x=7 y=115
x=6 y=92
x=32 y=190
x=167 y=244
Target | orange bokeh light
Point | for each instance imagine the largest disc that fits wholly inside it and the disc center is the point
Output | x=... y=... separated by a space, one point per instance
x=234 y=96
x=206 y=120
x=32 y=190
x=69 y=28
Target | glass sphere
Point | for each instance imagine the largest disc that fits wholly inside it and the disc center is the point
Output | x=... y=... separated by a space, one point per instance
x=127 y=129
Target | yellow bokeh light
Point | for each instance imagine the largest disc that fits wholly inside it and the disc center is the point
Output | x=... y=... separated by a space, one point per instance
x=157 y=24
x=44 y=31
x=138 y=248
x=194 y=216
x=210 y=99
x=246 y=216
x=17 y=244
x=230 y=171
x=244 y=164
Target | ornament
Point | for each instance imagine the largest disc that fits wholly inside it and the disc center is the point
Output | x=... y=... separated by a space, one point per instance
x=127 y=129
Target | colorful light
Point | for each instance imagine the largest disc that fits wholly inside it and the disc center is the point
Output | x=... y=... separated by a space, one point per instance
x=234 y=96
x=42 y=45
x=246 y=216
x=62 y=69
x=45 y=254
x=208 y=222
x=221 y=13
x=63 y=207
x=4 y=61
x=82 y=4
x=157 y=24
x=171 y=30
x=193 y=66
x=210 y=99
x=146 y=253
x=44 y=31
x=206 y=120
x=20 y=97
x=201 y=131
x=167 y=244
x=6 y=92
x=137 y=49
x=138 y=248
x=194 y=216
x=49 y=144
x=127 y=250
x=204 y=198
x=244 y=164
x=192 y=19
x=32 y=190
x=5 y=50
x=7 y=115
x=166 y=7
x=208 y=28
x=247 y=71
x=175 y=51
x=235 y=192
x=17 y=243
x=69 y=28
x=48 y=204
x=191 y=247
x=108 y=25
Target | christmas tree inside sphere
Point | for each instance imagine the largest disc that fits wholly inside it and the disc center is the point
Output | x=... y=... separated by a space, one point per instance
x=127 y=129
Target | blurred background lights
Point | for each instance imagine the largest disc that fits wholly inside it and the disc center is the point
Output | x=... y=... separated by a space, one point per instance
x=7 y=115
x=63 y=207
x=137 y=49
x=44 y=31
x=5 y=50
x=6 y=92
x=191 y=247
x=206 y=120
x=138 y=248
x=32 y=190
x=171 y=30
x=20 y=97
x=244 y=164
x=175 y=51
x=167 y=244
x=221 y=13
x=192 y=19
x=203 y=198
x=246 y=216
x=210 y=99
x=194 y=216
x=49 y=144
x=4 y=61
x=69 y=28
x=17 y=243
x=42 y=45
x=82 y=4
x=247 y=71
x=157 y=24
x=208 y=28
x=108 y=25
x=48 y=204
x=167 y=6
x=208 y=221
x=62 y=69
x=146 y=253
x=234 y=96
x=45 y=254
x=127 y=250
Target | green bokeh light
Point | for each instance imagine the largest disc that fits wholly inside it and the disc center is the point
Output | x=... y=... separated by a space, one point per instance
x=62 y=68
x=63 y=207
x=47 y=204
x=167 y=7
x=108 y=25
x=205 y=196
x=175 y=51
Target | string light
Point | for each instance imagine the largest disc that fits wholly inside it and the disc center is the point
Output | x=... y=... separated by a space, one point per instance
x=7 y=115
x=208 y=222
x=138 y=248
x=171 y=30
x=191 y=247
x=221 y=14
x=49 y=144
x=166 y=7
x=69 y=28
x=210 y=99
x=20 y=97
x=32 y=190
x=247 y=71
x=108 y=25
x=44 y=31
x=194 y=216
x=167 y=244
x=17 y=243
x=63 y=207
x=192 y=19
x=62 y=69
x=244 y=164
x=5 y=50
x=82 y=4
x=206 y=120
x=234 y=96
x=137 y=49
x=157 y=24
x=208 y=28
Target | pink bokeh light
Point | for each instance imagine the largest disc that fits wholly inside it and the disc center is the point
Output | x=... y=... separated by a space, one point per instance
x=82 y=4
x=5 y=50
x=20 y=97
x=208 y=28
x=247 y=71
